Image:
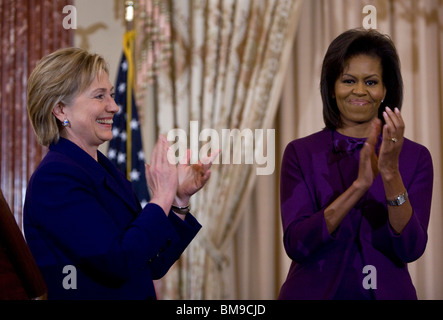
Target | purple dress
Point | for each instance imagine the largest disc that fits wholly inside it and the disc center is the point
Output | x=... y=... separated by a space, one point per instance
x=315 y=171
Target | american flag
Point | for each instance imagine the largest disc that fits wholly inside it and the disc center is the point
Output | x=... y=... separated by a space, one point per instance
x=118 y=145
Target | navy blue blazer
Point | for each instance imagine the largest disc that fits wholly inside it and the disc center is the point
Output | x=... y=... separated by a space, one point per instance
x=88 y=233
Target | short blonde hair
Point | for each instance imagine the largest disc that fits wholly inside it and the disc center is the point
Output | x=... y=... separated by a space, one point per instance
x=58 y=78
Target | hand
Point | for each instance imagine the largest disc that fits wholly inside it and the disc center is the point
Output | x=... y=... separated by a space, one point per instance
x=389 y=154
x=192 y=177
x=368 y=167
x=162 y=176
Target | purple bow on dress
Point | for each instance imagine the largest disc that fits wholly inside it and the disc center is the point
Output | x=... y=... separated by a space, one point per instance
x=348 y=145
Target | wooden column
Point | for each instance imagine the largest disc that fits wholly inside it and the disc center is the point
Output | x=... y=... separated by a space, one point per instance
x=29 y=30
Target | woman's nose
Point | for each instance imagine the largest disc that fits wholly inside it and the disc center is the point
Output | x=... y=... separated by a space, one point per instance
x=112 y=106
x=359 y=88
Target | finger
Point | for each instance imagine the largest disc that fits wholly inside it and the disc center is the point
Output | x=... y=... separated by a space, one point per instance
x=206 y=176
x=389 y=126
x=214 y=155
x=367 y=150
x=374 y=163
x=387 y=135
x=184 y=161
x=166 y=154
x=160 y=152
x=208 y=160
x=374 y=133
x=147 y=172
x=155 y=156
x=393 y=116
x=169 y=158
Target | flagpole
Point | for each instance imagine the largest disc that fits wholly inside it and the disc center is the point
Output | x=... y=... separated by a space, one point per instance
x=128 y=47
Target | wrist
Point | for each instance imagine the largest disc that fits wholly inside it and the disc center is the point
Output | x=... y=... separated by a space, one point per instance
x=163 y=202
x=180 y=201
x=360 y=186
x=398 y=200
x=180 y=210
x=390 y=175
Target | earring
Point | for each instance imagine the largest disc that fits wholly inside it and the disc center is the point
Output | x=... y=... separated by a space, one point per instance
x=65 y=123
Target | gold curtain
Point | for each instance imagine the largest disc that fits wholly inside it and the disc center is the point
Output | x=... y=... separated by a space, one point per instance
x=221 y=64
x=29 y=30
x=417 y=31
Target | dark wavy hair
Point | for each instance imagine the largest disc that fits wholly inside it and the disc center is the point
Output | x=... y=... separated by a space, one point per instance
x=350 y=44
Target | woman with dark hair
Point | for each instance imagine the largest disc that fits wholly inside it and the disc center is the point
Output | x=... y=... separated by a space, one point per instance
x=356 y=196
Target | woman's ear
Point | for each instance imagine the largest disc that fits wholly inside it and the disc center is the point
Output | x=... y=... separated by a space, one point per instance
x=59 y=112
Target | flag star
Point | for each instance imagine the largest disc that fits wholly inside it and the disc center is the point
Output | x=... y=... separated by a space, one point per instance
x=123 y=135
x=121 y=87
x=134 y=124
x=121 y=158
x=141 y=155
x=124 y=66
x=143 y=203
x=112 y=153
x=115 y=132
x=135 y=175
x=120 y=109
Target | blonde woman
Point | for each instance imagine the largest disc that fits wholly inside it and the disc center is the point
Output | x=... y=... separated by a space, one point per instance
x=82 y=221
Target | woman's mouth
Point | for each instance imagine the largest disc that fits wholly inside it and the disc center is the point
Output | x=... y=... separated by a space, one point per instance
x=358 y=102
x=107 y=121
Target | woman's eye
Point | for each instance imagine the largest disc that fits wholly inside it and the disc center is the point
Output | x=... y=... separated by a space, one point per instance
x=371 y=83
x=113 y=96
x=100 y=96
x=348 y=81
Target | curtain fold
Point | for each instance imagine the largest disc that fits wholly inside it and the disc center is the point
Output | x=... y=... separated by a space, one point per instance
x=228 y=63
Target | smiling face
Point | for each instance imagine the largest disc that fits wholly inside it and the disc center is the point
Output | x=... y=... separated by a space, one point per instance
x=90 y=115
x=359 y=91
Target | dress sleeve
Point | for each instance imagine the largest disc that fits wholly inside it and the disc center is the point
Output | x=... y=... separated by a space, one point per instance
x=411 y=243
x=304 y=226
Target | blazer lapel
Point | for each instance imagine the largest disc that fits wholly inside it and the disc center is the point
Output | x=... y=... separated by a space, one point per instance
x=118 y=184
x=102 y=171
